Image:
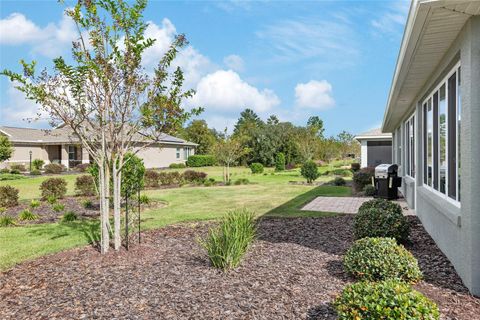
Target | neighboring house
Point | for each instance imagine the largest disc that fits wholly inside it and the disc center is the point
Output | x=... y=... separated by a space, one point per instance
x=376 y=148
x=433 y=111
x=61 y=146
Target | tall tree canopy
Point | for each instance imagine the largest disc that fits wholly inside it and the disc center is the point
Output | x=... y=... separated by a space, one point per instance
x=6 y=148
x=197 y=131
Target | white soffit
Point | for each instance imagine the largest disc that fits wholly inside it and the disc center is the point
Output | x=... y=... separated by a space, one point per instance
x=431 y=29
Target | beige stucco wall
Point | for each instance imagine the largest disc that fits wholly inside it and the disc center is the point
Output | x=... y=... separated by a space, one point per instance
x=21 y=154
x=160 y=156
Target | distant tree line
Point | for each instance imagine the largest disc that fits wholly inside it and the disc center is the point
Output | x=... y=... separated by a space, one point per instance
x=261 y=141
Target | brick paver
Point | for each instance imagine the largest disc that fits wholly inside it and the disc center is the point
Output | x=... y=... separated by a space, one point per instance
x=345 y=205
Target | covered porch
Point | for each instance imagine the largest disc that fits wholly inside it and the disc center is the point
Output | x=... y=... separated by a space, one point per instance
x=69 y=155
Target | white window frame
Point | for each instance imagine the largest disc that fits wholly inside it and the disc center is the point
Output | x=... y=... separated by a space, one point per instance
x=178 y=153
x=410 y=168
x=443 y=81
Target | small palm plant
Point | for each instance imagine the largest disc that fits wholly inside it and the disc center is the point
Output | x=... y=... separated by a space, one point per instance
x=27 y=215
x=227 y=244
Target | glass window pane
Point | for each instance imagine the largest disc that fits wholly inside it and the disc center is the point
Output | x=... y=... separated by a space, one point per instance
x=429 y=142
x=412 y=146
x=435 y=141
x=452 y=136
x=459 y=116
x=442 y=114
x=425 y=167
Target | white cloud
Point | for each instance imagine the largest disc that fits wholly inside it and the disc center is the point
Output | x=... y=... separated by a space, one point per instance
x=332 y=42
x=234 y=62
x=224 y=91
x=18 y=111
x=314 y=94
x=393 y=19
x=17 y=29
x=50 y=41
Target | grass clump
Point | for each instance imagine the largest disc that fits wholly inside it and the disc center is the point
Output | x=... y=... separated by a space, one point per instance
x=58 y=207
x=69 y=216
x=34 y=204
x=227 y=244
x=389 y=299
x=27 y=215
x=377 y=259
x=6 y=221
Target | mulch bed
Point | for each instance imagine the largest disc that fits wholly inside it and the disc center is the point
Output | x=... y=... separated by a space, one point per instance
x=293 y=271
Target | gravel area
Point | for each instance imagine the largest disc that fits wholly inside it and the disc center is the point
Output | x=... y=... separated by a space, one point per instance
x=293 y=271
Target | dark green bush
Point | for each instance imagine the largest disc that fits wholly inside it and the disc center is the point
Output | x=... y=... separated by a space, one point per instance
x=241 y=181
x=152 y=178
x=209 y=182
x=53 y=187
x=355 y=166
x=38 y=164
x=310 y=171
x=177 y=166
x=14 y=171
x=69 y=216
x=18 y=167
x=87 y=204
x=27 y=215
x=381 y=218
x=5 y=170
x=338 y=181
x=256 y=167
x=227 y=244
x=200 y=160
x=8 y=196
x=362 y=178
x=35 y=172
x=389 y=300
x=54 y=168
x=280 y=162
x=369 y=190
x=378 y=259
x=85 y=186
x=6 y=221
x=194 y=176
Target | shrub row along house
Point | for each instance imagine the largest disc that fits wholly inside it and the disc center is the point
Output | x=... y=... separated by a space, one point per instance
x=433 y=112
x=61 y=146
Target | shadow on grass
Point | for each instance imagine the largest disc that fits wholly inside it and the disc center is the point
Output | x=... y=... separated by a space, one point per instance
x=90 y=229
x=293 y=207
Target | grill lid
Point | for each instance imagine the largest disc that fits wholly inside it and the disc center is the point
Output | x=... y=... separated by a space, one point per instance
x=384 y=169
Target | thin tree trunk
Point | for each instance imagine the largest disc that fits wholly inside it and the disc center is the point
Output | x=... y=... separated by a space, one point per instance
x=116 y=204
x=103 y=177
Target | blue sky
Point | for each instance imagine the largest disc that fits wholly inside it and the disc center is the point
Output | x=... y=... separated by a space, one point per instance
x=334 y=59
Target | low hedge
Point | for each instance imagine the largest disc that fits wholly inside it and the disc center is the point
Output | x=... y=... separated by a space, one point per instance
x=152 y=178
x=177 y=166
x=201 y=160
x=378 y=259
x=194 y=176
x=256 y=167
x=391 y=299
x=381 y=218
x=54 y=168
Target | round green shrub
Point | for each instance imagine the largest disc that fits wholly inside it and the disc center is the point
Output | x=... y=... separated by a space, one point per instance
x=85 y=186
x=381 y=259
x=369 y=190
x=310 y=171
x=381 y=218
x=339 y=181
x=280 y=162
x=54 y=168
x=256 y=167
x=38 y=164
x=8 y=196
x=390 y=299
x=53 y=187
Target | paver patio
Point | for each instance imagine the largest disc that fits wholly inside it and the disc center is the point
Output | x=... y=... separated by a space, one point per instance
x=346 y=205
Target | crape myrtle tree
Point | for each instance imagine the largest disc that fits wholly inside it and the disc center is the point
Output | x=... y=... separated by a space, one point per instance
x=112 y=104
x=227 y=151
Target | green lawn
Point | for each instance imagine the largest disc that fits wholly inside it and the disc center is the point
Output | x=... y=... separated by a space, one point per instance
x=268 y=194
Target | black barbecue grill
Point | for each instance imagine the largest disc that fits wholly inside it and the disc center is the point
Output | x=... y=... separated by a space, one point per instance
x=386 y=181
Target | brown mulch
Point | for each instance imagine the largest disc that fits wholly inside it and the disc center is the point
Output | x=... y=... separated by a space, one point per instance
x=293 y=271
